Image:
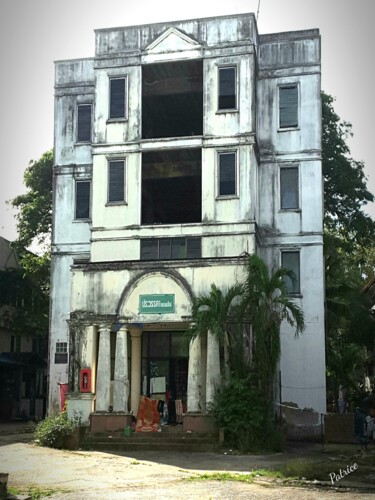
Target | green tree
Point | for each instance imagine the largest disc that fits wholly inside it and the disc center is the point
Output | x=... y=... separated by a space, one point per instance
x=214 y=312
x=34 y=217
x=28 y=286
x=266 y=304
x=349 y=257
x=345 y=191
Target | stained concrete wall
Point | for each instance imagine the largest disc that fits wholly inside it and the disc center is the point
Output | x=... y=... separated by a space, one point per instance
x=251 y=221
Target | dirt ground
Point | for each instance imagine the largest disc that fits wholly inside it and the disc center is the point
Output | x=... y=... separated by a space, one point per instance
x=77 y=475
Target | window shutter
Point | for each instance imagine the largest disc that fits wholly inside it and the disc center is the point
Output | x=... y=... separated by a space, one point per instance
x=290 y=261
x=149 y=249
x=227 y=174
x=227 y=88
x=116 y=181
x=165 y=248
x=289 y=188
x=82 y=200
x=288 y=106
x=178 y=248
x=84 y=123
x=117 y=98
x=193 y=248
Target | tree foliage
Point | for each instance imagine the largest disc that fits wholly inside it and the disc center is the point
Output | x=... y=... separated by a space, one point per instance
x=34 y=217
x=266 y=304
x=345 y=191
x=26 y=289
x=349 y=258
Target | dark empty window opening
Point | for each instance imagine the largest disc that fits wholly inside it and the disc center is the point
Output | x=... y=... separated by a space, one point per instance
x=227 y=88
x=83 y=199
x=171 y=248
x=117 y=98
x=171 y=187
x=288 y=106
x=84 y=123
x=172 y=99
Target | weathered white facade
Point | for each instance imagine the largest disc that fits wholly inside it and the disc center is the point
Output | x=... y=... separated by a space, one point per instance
x=178 y=148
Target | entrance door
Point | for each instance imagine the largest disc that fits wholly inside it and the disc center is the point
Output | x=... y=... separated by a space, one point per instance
x=165 y=356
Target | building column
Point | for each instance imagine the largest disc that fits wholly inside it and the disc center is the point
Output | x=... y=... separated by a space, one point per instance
x=121 y=382
x=135 y=389
x=103 y=373
x=194 y=376
x=213 y=376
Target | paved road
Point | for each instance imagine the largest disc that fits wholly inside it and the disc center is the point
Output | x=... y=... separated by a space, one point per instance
x=86 y=474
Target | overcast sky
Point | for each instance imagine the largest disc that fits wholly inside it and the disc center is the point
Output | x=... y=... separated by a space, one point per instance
x=34 y=33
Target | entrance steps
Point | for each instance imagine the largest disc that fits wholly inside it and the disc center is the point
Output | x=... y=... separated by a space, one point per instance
x=169 y=439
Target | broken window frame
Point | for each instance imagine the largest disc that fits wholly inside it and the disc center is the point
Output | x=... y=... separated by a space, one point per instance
x=283 y=124
x=124 y=111
x=82 y=219
x=231 y=108
x=221 y=153
x=88 y=138
x=283 y=195
x=292 y=288
x=121 y=201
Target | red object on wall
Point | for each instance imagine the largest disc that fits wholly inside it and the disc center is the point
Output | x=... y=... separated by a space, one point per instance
x=85 y=380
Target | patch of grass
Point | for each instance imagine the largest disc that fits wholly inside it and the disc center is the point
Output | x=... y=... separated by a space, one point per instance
x=33 y=491
x=134 y=462
x=247 y=477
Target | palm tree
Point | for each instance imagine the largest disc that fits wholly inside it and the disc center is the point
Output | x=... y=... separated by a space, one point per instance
x=265 y=304
x=212 y=313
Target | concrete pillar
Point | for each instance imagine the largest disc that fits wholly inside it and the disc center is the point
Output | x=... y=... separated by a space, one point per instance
x=103 y=373
x=194 y=376
x=213 y=377
x=121 y=382
x=135 y=390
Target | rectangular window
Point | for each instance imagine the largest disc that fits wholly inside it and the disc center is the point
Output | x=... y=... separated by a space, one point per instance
x=227 y=88
x=83 y=199
x=84 y=123
x=116 y=181
x=117 y=99
x=227 y=174
x=171 y=248
x=289 y=196
x=288 y=101
x=291 y=260
x=61 y=354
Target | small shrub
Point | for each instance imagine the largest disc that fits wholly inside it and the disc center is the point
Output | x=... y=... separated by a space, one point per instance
x=52 y=431
x=241 y=410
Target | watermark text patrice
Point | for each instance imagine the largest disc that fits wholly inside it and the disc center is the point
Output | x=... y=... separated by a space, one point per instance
x=342 y=473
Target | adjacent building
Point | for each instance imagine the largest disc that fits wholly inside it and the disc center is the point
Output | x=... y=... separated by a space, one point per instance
x=180 y=148
x=23 y=349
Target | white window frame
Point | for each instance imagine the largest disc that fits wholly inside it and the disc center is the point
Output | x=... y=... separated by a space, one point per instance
x=283 y=85
x=124 y=201
x=296 y=250
x=126 y=98
x=236 y=86
x=284 y=166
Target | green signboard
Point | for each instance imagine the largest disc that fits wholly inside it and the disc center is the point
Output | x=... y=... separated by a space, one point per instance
x=156 y=304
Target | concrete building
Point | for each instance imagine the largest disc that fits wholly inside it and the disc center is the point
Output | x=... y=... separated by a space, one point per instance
x=179 y=147
x=23 y=350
